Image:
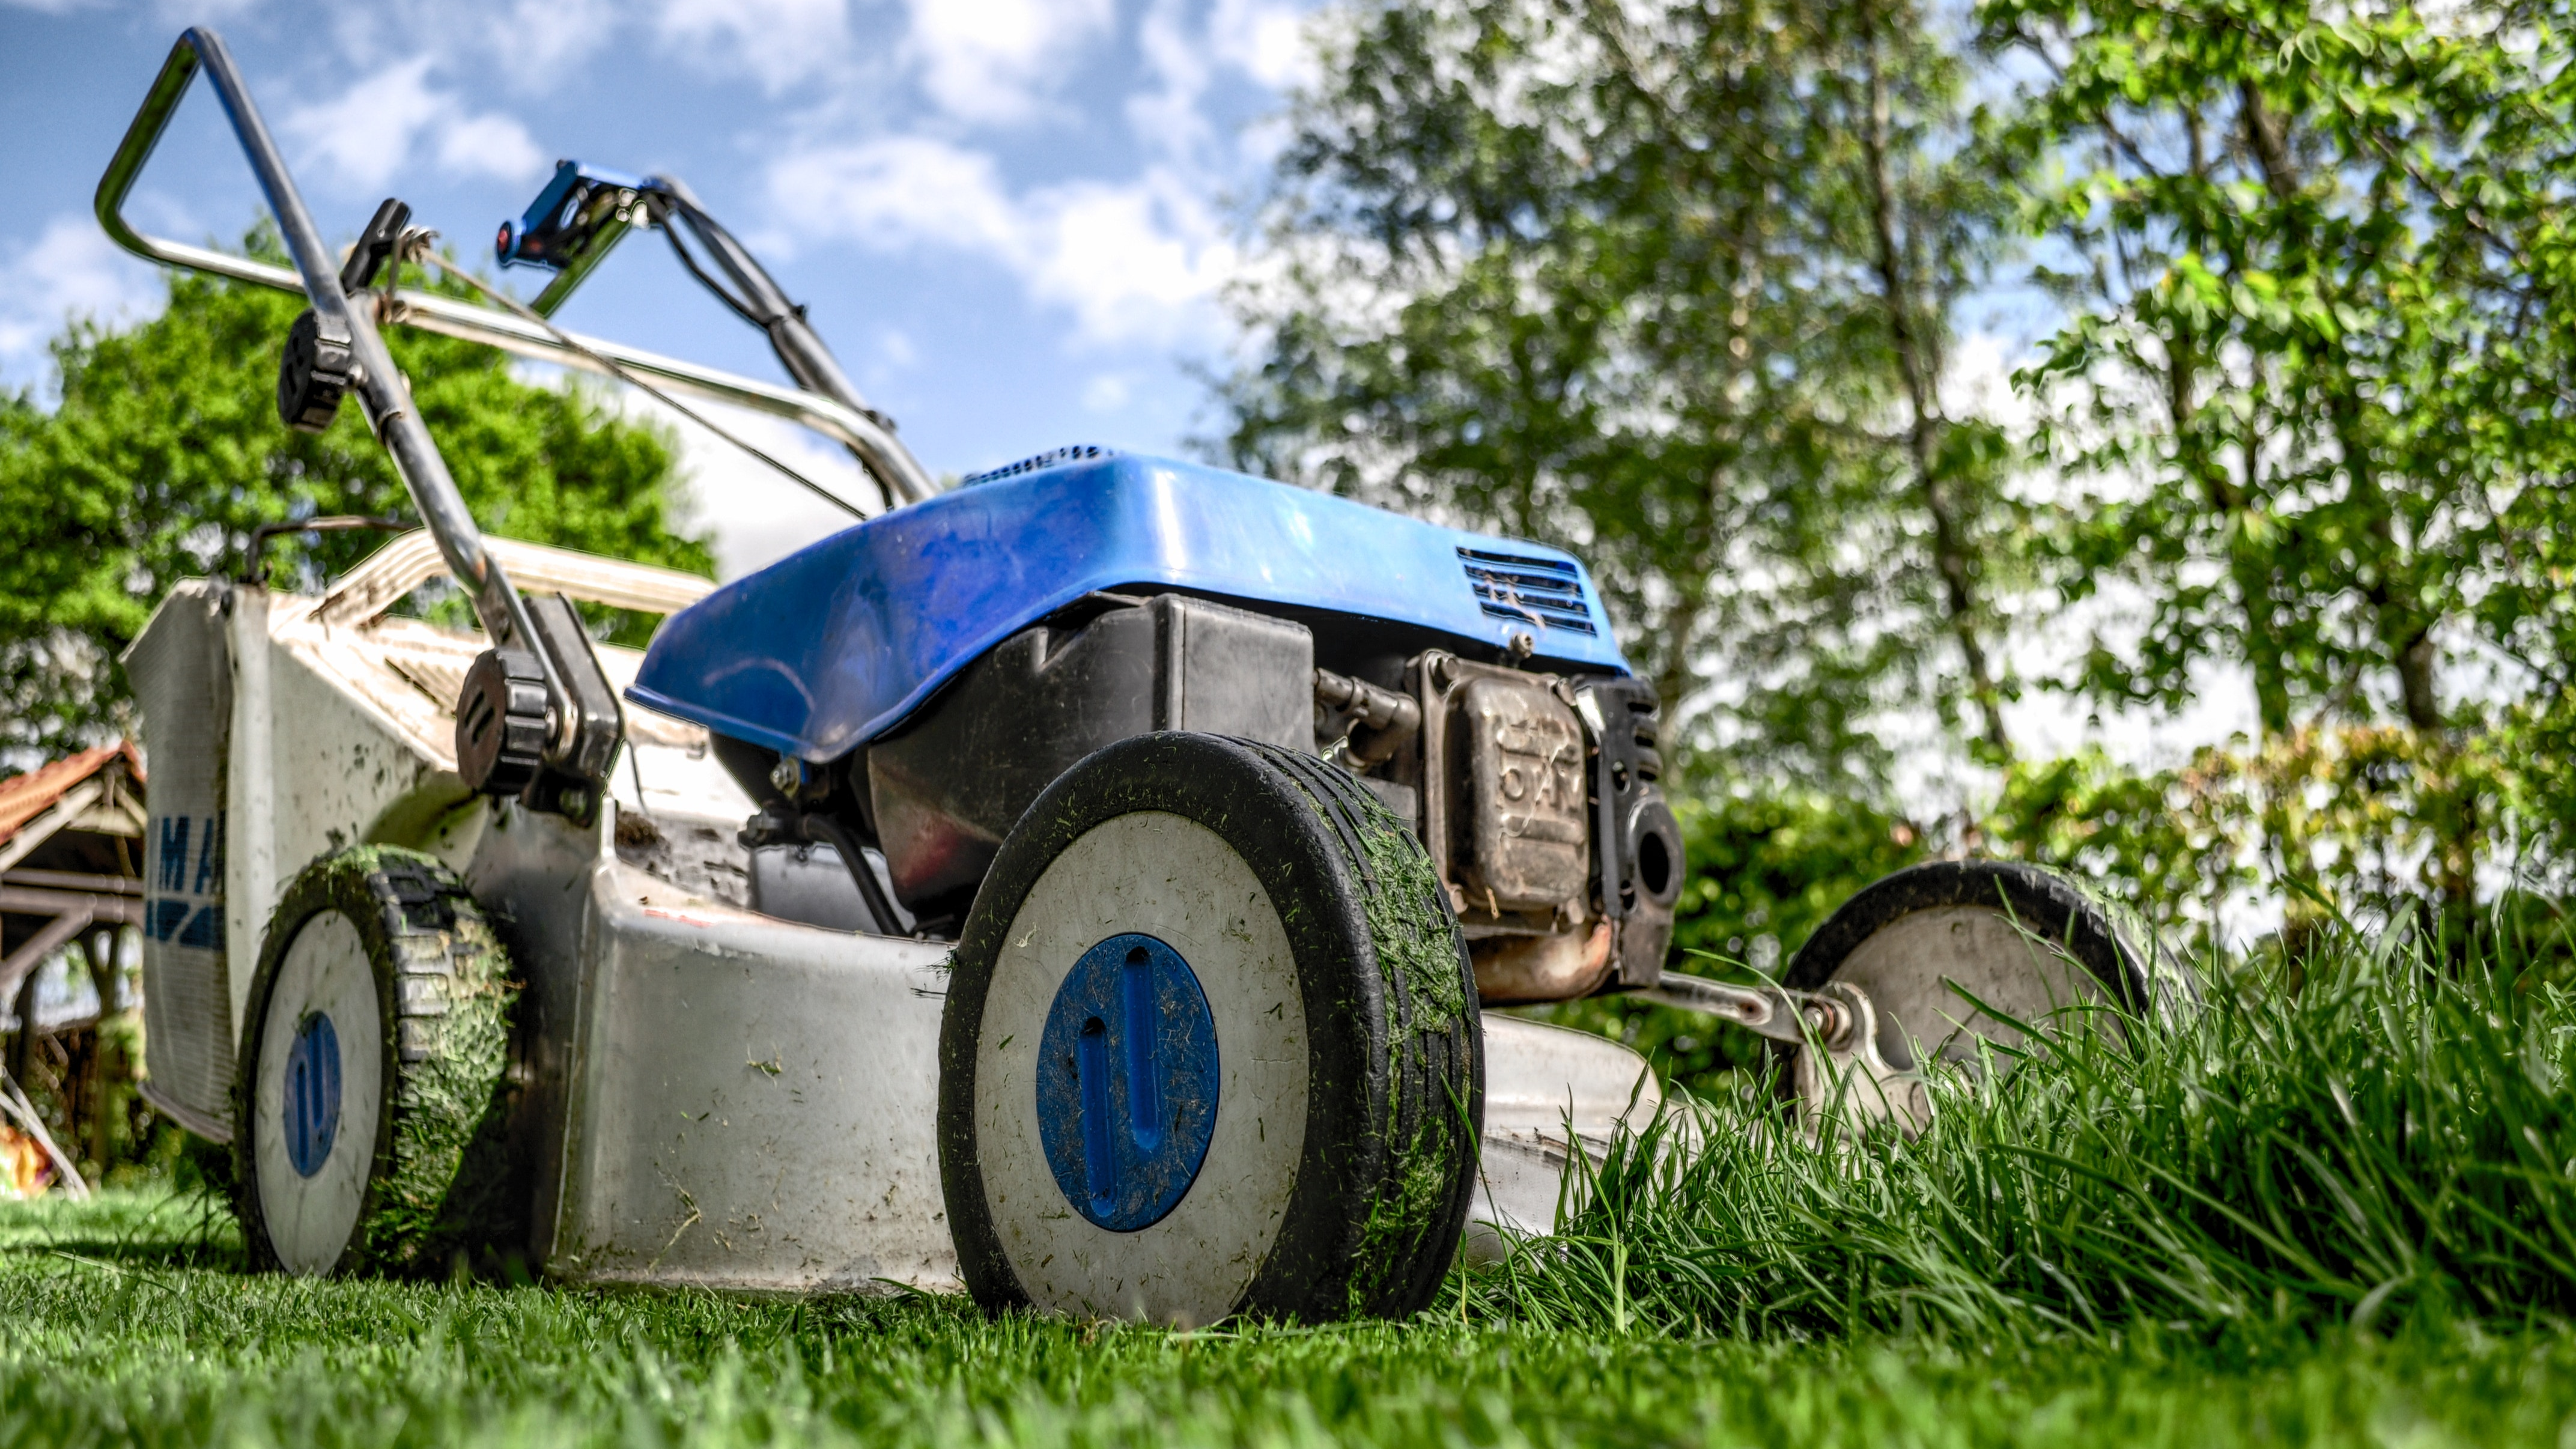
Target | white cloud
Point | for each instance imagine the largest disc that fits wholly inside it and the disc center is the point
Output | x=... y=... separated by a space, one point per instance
x=776 y=42
x=1169 y=119
x=368 y=135
x=1106 y=393
x=70 y=270
x=898 y=191
x=489 y=145
x=994 y=61
x=1265 y=39
x=537 y=41
x=1134 y=261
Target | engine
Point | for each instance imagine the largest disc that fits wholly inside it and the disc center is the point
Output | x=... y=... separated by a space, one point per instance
x=1535 y=793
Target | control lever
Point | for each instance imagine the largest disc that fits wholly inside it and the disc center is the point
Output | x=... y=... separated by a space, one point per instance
x=584 y=211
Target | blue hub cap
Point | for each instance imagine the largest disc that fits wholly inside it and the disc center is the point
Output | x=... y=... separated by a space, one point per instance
x=312 y=1093
x=1127 y=1082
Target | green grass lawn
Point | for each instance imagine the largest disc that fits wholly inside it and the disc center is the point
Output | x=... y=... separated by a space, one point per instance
x=2336 y=1215
x=120 y=1322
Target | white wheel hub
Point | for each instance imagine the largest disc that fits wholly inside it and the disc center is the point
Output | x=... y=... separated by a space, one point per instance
x=319 y=1098
x=1916 y=967
x=1159 y=875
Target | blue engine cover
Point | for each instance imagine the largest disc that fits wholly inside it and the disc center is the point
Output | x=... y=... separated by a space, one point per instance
x=832 y=646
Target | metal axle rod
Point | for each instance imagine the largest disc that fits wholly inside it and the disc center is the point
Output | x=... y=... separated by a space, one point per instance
x=1782 y=1015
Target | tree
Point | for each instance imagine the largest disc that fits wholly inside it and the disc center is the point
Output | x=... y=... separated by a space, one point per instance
x=166 y=451
x=2317 y=353
x=1669 y=285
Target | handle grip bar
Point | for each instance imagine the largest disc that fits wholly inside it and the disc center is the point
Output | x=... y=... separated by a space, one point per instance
x=875 y=445
x=503 y=613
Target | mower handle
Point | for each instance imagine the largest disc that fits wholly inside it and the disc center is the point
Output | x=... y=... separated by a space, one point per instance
x=863 y=434
x=379 y=385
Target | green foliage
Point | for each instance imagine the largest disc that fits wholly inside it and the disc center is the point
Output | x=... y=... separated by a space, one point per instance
x=1613 y=277
x=2318 y=332
x=2170 y=845
x=2343 y=816
x=120 y=1323
x=2350 y=1138
x=1673 y=285
x=166 y=450
x=1765 y=870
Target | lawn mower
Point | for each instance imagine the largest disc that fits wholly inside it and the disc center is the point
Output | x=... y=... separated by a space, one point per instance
x=1086 y=884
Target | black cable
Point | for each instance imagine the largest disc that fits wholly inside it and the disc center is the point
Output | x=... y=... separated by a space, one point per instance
x=845 y=843
x=619 y=370
x=710 y=283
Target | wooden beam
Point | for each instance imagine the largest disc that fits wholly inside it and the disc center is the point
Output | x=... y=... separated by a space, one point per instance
x=62 y=813
x=31 y=901
x=73 y=880
x=56 y=934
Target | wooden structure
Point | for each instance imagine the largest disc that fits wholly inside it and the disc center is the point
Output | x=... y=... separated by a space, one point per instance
x=71 y=872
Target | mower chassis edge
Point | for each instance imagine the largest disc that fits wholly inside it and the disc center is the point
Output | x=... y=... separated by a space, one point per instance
x=716 y=1098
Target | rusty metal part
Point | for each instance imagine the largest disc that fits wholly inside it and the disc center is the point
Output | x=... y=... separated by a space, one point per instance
x=1782 y=1015
x=1842 y=1079
x=1838 y=1071
x=1525 y=799
x=1541 y=968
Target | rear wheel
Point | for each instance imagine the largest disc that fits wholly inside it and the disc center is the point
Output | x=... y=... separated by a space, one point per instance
x=1210 y=1047
x=372 y=1104
x=1954 y=952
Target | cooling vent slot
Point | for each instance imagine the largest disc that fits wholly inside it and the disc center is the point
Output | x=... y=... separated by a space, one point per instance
x=1525 y=589
x=1051 y=458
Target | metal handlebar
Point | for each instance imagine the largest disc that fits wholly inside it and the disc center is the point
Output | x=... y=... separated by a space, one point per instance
x=380 y=388
x=876 y=445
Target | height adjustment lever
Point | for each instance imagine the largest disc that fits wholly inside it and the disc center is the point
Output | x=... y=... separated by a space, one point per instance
x=315 y=372
x=375 y=245
x=514 y=738
x=319 y=367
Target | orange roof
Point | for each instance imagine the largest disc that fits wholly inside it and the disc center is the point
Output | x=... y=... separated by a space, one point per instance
x=24 y=797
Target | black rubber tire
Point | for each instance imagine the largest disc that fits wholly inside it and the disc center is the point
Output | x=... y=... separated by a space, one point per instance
x=445 y=1184
x=2134 y=973
x=1395 y=1096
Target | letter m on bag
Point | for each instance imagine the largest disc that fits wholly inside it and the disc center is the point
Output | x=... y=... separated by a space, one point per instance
x=173 y=873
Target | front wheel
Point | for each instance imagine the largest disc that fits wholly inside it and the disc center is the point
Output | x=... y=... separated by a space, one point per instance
x=1210 y=1048
x=373 y=1101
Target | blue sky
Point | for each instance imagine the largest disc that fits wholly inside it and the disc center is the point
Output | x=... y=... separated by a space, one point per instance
x=1010 y=218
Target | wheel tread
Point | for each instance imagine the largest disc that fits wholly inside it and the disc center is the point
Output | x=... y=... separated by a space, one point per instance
x=446 y=1181
x=1396 y=1065
x=1431 y=1048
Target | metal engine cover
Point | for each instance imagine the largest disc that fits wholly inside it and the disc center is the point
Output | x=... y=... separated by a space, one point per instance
x=1523 y=840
